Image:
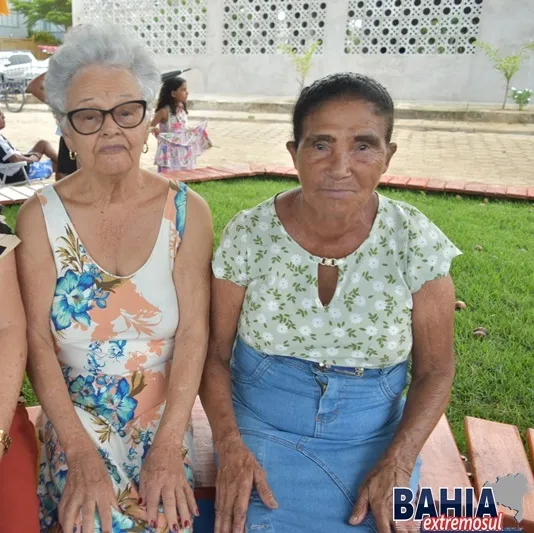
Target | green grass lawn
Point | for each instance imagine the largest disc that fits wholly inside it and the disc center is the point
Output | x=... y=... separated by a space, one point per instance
x=494 y=378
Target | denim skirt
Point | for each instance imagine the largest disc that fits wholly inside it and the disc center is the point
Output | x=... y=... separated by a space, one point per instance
x=317 y=432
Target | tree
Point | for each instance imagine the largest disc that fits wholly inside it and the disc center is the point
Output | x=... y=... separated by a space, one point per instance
x=55 y=11
x=510 y=65
x=302 y=62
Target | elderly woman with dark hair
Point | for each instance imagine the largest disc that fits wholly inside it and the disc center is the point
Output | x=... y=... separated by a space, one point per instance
x=321 y=297
x=115 y=277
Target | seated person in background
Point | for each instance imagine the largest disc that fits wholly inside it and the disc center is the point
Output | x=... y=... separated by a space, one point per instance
x=9 y=154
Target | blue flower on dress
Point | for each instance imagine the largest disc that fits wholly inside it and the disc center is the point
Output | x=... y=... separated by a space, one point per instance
x=72 y=300
x=116 y=403
x=116 y=349
x=82 y=391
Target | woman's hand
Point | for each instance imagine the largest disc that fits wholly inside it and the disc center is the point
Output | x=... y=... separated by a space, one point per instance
x=163 y=478
x=88 y=489
x=237 y=473
x=155 y=131
x=376 y=493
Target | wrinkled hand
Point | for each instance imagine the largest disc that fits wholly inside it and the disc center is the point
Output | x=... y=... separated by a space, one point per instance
x=88 y=489
x=163 y=478
x=376 y=494
x=238 y=471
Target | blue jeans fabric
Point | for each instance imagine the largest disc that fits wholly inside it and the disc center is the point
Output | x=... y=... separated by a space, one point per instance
x=316 y=432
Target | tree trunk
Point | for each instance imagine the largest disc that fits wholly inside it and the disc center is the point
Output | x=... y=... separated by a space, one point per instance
x=506 y=93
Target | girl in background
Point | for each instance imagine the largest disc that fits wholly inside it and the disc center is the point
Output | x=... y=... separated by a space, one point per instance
x=178 y=145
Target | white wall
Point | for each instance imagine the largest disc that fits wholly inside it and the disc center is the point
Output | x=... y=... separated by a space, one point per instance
x=417 y=77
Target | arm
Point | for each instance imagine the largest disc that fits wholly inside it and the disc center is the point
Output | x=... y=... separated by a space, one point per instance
x=160 y=116
x=216 y=388
x=432 y=377
x=88 y=483
x=17 y=158
x=13 y=348
x=36 y=87
x=163 y=473
x=238 y=469
x=432 y=368
x=37 y=274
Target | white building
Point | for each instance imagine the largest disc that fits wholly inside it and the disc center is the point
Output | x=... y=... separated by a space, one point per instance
x=420 y=50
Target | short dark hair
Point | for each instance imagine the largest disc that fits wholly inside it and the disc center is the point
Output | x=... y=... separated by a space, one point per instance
x=337 y=86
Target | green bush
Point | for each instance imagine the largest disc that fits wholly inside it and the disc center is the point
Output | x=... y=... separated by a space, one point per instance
x=45 y=37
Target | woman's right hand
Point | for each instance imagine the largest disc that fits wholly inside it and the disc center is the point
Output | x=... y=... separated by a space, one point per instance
x=155 y=131
x=237 y=473
x=88 y=489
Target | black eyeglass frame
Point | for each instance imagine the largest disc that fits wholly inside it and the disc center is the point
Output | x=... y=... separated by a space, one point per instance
x=104 y=113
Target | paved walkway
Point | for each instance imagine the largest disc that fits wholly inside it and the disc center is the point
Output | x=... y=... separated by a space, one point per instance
x=472 y=153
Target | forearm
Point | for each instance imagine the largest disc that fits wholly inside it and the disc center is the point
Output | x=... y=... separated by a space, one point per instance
x=19 y=158
x=216 y=396
x=12 y=362
x=426 y=401
x=186 y=371
x=49 y=384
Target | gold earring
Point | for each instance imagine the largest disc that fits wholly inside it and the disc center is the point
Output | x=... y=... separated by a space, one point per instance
x=145 y=148
x=72 y=155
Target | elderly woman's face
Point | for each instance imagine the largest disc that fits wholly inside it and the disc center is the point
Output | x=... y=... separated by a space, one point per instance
x=342 y=154
x=112 y=150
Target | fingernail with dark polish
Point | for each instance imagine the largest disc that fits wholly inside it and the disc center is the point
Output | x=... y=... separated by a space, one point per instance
x=186 y=524
x=140 y=501
x=197 y=512
x=175 y=527
x=152 y=523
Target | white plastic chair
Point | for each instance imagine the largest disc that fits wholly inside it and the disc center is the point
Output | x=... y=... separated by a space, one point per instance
x=5 y=168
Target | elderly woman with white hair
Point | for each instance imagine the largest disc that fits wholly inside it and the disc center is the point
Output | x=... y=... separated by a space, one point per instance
x=115 y=275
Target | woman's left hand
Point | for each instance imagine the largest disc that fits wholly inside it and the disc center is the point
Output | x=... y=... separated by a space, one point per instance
x=163 y=478
x=376 y=494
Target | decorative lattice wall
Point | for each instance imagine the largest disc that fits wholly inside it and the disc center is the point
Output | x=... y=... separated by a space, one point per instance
x=166 y=26
x=261 y=26
x=412 y=26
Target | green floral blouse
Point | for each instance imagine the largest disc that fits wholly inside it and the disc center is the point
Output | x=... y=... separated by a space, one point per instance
x=368 y=322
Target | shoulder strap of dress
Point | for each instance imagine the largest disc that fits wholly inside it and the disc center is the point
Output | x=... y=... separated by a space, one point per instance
x=55 y=215
x=176 y=211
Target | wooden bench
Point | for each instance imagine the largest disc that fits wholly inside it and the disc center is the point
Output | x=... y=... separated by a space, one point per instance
x=495 y=450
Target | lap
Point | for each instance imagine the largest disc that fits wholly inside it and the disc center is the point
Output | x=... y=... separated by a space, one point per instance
x=315 y=489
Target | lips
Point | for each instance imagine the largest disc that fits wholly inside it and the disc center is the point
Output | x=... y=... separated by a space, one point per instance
x=112 y=149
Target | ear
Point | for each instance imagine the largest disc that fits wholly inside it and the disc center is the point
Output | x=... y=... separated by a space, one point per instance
x=68 y=140
x=392 y=148
x=292 y=149
x=147 y=132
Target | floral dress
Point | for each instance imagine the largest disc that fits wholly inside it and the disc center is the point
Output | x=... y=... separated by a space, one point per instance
x=114 y=338
x=178 y=144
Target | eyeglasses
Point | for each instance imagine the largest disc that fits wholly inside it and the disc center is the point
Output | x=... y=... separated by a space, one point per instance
x=88 y=120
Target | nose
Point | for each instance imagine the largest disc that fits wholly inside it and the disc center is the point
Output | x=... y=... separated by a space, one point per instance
x=340 y=164
x=110 y=127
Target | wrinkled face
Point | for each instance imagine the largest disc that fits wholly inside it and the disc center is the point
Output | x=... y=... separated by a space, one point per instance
x=181 y=94
x=112 y=150
x=2 y=121
x=342 y=154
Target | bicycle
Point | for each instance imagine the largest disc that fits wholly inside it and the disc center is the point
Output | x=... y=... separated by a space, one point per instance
x=13 y=93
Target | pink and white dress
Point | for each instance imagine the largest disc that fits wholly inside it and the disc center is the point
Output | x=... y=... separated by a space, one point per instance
x=178 y=144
